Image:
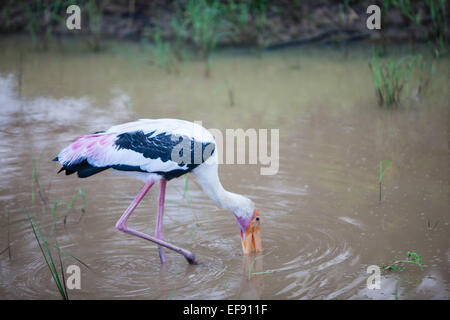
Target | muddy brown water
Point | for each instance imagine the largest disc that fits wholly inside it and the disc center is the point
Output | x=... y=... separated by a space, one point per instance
x=322 y=222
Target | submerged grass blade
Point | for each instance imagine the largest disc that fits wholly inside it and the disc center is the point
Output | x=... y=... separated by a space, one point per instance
x=186 y=195
x=387 y=164
x=54 y=208
x=250 y=271
x=262 y=272
x=390 y=77
x=62 y=271
x=411 y=258
x=47 y=256
x=52 y=263
x=36 y=182
x=9 y=236
x=384 y=165
x=171 y=294
x=72 y=256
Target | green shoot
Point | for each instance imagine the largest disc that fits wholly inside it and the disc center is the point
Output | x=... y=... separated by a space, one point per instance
x=162 y=52
x=9 y=237
x=390 y=78
x=399 y=265
x=387 y=164
x=54 y=209
x=171 y=294
x=250 y=273
x=48 y=256
x=186 y=195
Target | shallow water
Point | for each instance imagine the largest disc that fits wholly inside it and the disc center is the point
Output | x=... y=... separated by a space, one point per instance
x=323 y=224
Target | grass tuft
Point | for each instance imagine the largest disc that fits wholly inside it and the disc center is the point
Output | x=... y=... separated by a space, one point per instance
x=399 y=265
x=48 y=257
x=390 y=78
x=386 y=164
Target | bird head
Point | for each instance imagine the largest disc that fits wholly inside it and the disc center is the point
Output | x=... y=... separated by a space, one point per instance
x=251 y=232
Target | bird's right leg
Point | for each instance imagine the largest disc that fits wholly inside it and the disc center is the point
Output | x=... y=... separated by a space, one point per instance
x=159 y=218
x=122 y=226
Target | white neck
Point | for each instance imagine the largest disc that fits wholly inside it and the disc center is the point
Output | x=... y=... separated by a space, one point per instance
x=208 y=178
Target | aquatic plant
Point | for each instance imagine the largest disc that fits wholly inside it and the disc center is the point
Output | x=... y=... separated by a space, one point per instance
x=180 y=28
x=261 y=22
x=6 y=13
x=8 y=248
x=36 y=183
x=426 y=72
x=186 y=194
x=48 y=257
x=171 y=294
x=238 y=17
x=70 y=205
x=438 y=17
x=390 y=77
x=9 y=236
x=251 y=273
x=247 y=22
x=94 y=10
x=399 y=265
x=230 y=92
x=204 y=19
x=44 y=245
x=386 y=164
x=41 y=19
x=438 y=14
x=407 y=9
x=162 y=52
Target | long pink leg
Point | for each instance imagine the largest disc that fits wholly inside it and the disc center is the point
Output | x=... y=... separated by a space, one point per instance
x=122 y=226
x=159 y=219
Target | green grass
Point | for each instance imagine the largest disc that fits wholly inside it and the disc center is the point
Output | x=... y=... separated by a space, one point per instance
x=426 y=71
x=8 y=226
x=437 y=11
x=228 y=87
x=390 y=77
x=94 y=10
x=179 y=26
x=71 y=205
x=384 y=165
x=399 y=265
x=186 y=195
x=204 y=19
x=251 y=273
x=48 y=257
x=36 y=185
x=44 y=245
x=42 y=18
x=9 y=236
x=162 y=53
x=407 y=10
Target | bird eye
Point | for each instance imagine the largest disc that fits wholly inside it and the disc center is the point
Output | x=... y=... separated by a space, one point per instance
x=257 y=218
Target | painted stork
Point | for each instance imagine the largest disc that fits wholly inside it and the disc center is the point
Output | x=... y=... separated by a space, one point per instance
x=155 y=150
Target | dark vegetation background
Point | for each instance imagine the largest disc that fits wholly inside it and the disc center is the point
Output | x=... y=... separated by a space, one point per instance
x=261 y=23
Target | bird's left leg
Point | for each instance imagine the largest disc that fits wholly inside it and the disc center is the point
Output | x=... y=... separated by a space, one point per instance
x=122 y=226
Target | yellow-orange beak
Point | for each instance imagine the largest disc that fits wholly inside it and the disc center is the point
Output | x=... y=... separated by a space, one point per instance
x=252 y=240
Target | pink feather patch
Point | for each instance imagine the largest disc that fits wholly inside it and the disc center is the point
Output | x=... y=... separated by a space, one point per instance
x=87 y=147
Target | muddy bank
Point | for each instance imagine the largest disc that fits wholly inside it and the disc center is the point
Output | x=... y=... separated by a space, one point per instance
x=245 y=23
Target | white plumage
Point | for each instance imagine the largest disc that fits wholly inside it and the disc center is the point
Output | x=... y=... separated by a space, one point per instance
x=159 y=150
